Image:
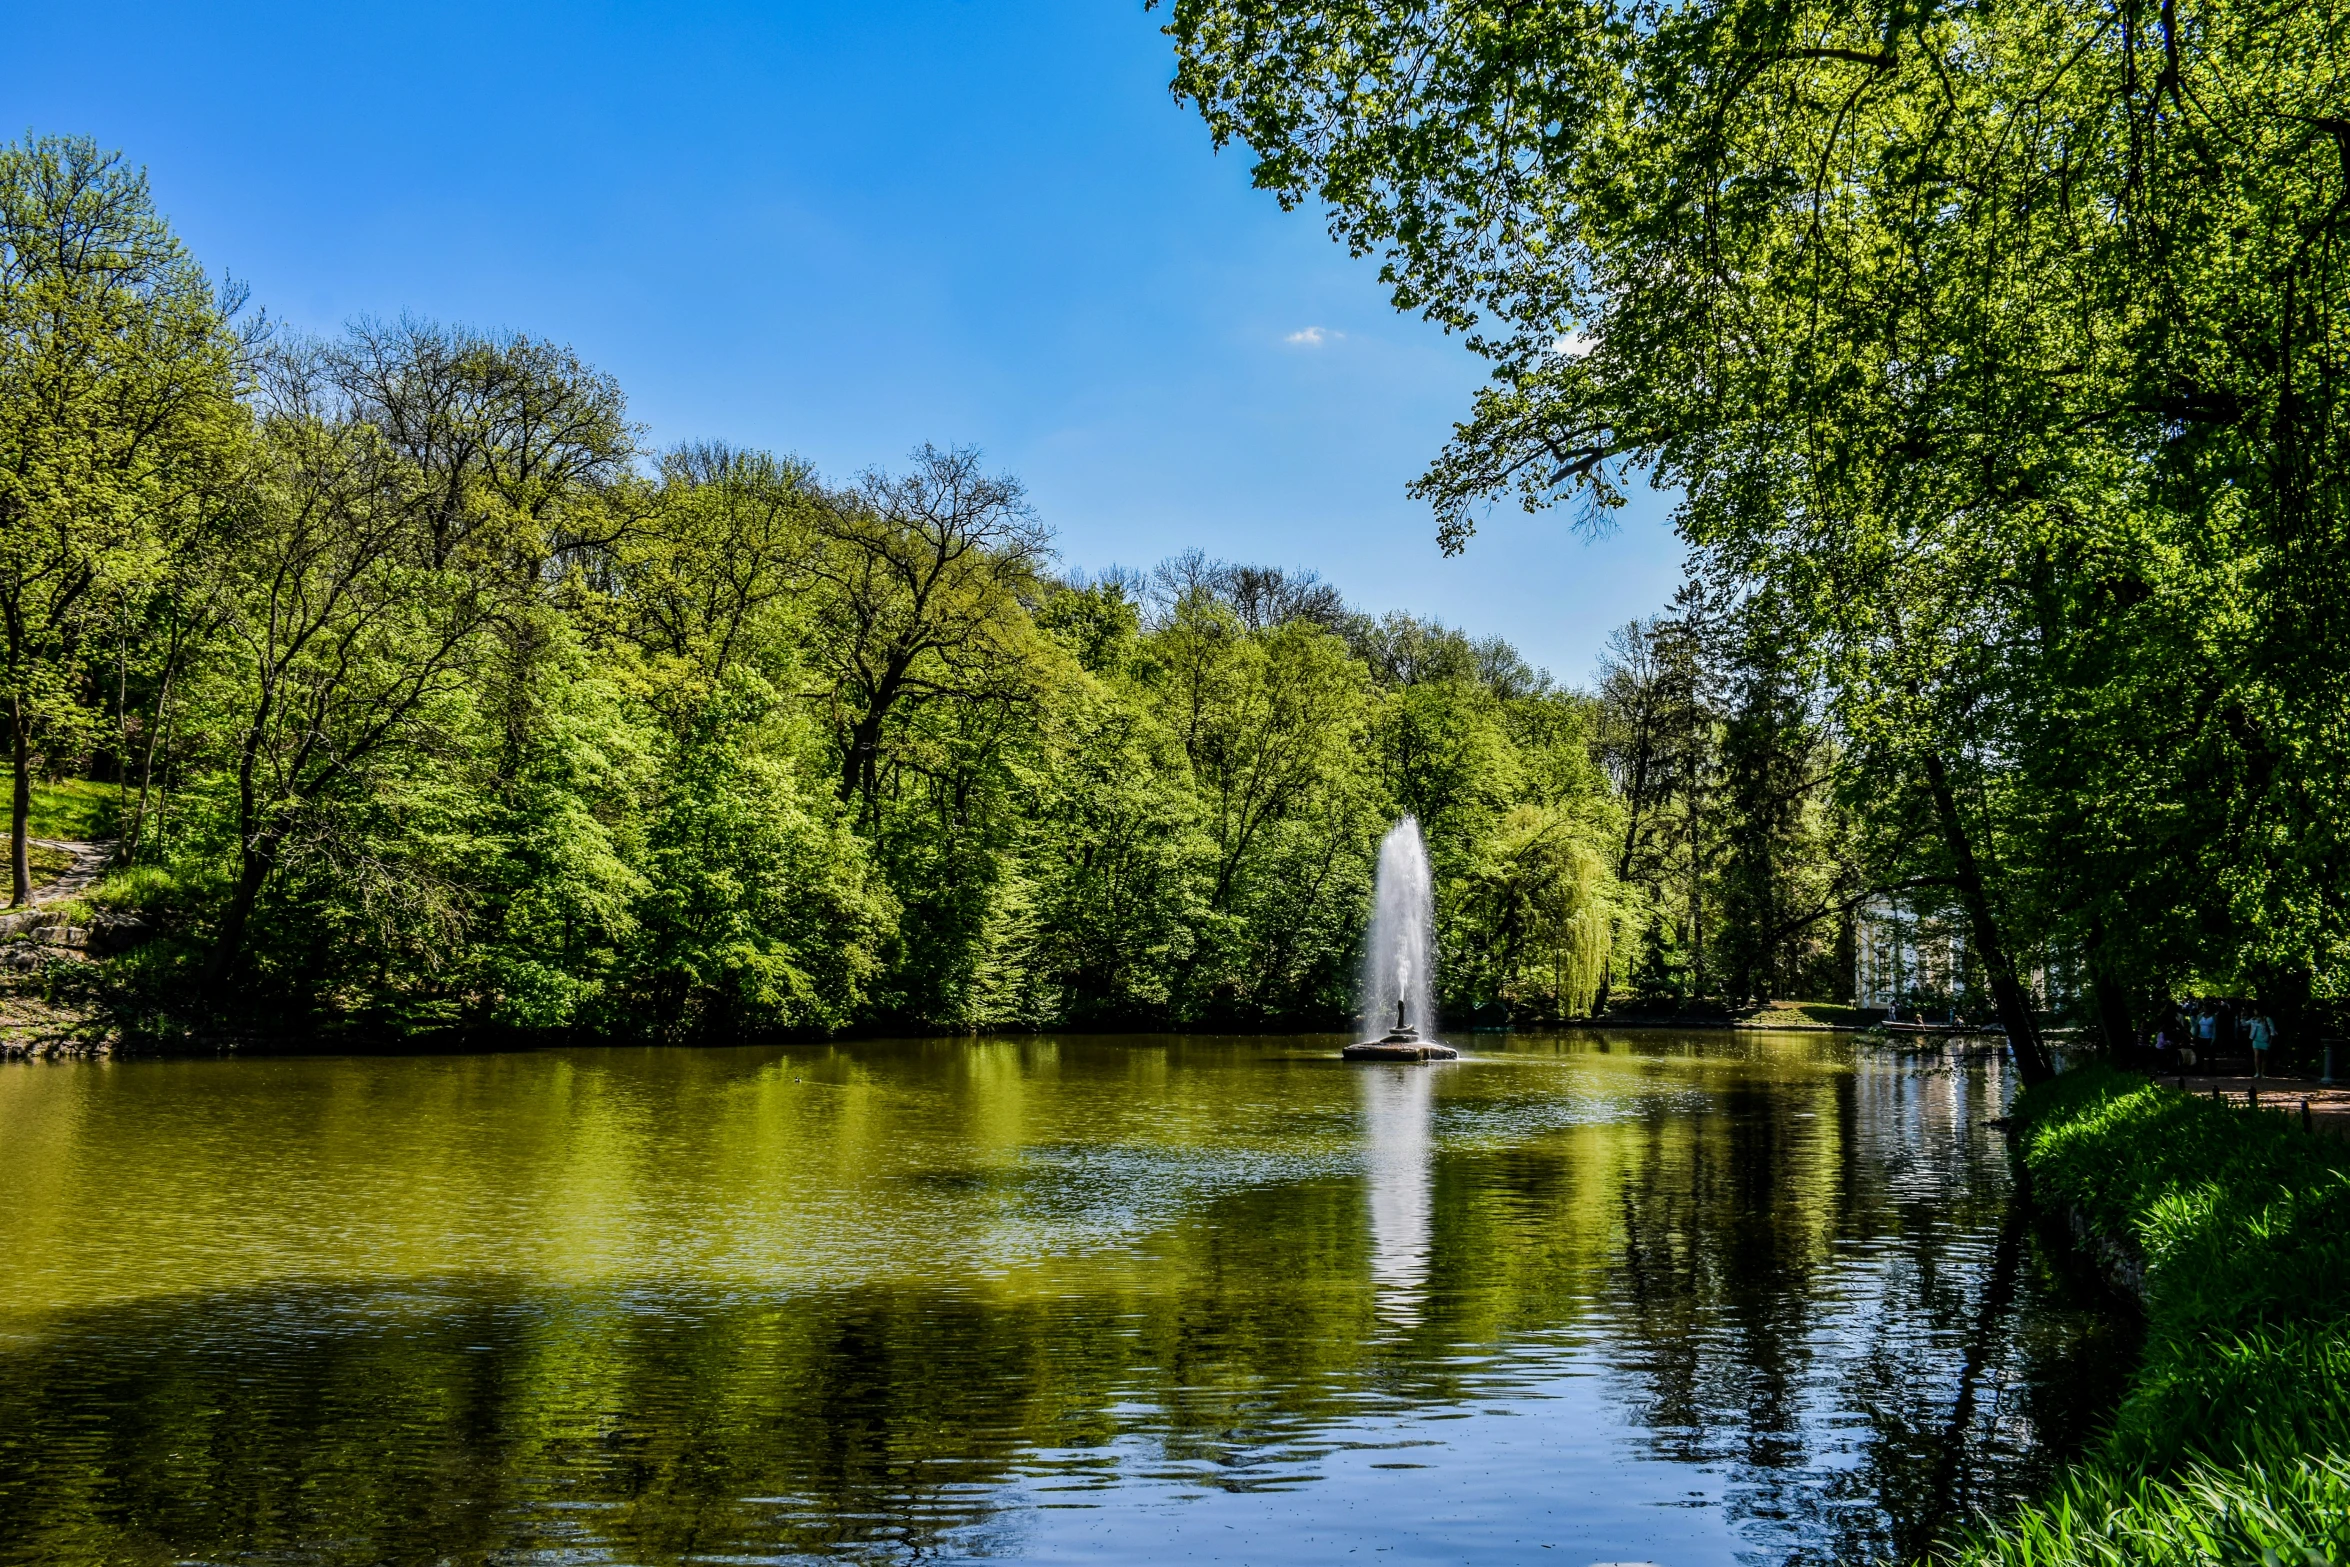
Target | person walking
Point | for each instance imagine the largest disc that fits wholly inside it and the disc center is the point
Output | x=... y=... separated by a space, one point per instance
x=2263 y=1032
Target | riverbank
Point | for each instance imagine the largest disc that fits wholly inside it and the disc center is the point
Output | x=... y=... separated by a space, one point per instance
x=37 y=1023
x=2232 y=1228
x=1800 y=1017
x=61 y=998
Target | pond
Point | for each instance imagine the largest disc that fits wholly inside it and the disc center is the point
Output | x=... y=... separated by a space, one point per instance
x=1576 y=1298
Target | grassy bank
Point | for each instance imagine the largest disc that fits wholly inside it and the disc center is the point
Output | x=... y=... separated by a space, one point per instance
x=2233 y=1445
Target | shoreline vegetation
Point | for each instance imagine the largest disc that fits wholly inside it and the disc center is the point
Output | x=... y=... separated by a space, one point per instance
x=54 y=1014
x=2231 y=1229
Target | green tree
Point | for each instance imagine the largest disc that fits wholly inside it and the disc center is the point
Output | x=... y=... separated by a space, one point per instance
x=924 y=578
x=710 y=586
x=355 y=640
x=1782 y=880
x=117 y=373
x=760 y=909
x=1539 y=913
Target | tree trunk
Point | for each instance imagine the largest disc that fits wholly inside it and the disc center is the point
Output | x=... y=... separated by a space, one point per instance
x=857 y=767
x=252 y=870
x=860 y=771
x=21 y=805
x=155 y=726
x=1696 y=900
x=2007 y=991
x=2111 y=1013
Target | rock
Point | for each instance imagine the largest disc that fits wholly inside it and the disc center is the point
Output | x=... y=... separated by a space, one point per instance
x=112 y=933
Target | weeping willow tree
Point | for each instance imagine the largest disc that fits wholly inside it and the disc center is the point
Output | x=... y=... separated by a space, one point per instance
x=1542 y=899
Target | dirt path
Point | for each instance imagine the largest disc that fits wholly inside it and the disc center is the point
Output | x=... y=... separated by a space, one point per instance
x=89 y=864
x=2329 y=1103
x=33 y=1024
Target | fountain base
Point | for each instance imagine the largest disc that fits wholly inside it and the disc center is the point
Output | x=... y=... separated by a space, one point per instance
x=1403 y=1044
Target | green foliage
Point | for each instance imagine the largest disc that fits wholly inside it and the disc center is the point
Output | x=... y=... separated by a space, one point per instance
x=2290 y=1510
x=1097 y=622
x=1116 y=848
x=117 y=377
x=562 y=860
x=760 y=910
x=1734 y=848
x=1997 y=350
x=138 y=887
x=447 y=710
x=2233 y=1439
x=1538 y=910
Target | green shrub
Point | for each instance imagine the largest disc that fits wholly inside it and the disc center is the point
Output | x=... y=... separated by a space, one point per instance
x=137 y=887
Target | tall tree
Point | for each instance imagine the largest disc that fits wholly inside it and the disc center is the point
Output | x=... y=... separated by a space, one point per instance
x=713 y=579
x=117 y=371
x=351 y=630
x=924 y=574
x=1780 y=874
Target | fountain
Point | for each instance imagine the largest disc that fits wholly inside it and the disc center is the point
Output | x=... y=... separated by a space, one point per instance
x=1400 y=959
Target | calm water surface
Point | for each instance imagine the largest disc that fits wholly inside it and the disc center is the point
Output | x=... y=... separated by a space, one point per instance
x=1573 y=1299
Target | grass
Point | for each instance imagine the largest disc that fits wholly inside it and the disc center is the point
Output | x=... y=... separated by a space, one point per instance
x=76 y=808
x=2233 y=1444
x=137 y=887
x=1808 y=1012
x=2288 y=1510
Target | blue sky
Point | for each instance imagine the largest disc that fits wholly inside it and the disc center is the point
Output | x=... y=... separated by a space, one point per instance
x=840 y=230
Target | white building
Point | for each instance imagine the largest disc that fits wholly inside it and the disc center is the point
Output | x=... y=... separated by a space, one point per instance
x=1905 y=957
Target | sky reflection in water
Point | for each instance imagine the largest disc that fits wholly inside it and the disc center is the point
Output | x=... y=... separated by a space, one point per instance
x=1681 y=1299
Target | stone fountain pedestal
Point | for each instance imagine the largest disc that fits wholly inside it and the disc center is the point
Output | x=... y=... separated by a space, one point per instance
x=1403 y=1043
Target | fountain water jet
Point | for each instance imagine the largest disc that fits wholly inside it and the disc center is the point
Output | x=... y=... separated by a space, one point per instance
x=1399 y=961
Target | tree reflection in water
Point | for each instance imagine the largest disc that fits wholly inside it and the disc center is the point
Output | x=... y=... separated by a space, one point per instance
x=1741 y=1300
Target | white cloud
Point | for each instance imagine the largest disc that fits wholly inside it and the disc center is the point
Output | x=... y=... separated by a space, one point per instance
x=1574 y=345
x=1313 y=336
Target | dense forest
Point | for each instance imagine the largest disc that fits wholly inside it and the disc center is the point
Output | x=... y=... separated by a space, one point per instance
x=427 y=696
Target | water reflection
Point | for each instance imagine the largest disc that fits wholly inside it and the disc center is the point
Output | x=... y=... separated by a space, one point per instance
x=1687 y=1301
x=1397 y=1101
